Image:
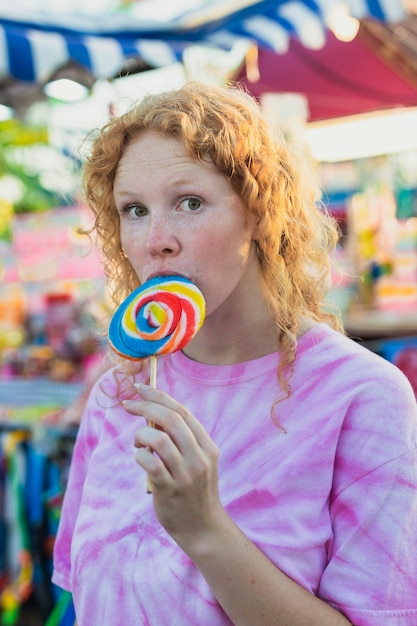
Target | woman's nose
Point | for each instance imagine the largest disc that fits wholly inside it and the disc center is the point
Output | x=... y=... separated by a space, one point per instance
x=161 y=239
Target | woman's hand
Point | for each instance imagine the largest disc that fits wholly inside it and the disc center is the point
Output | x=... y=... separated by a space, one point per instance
x=182 y=462
x=183 y=468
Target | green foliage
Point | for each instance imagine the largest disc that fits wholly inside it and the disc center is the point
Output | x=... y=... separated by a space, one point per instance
x=13 y=134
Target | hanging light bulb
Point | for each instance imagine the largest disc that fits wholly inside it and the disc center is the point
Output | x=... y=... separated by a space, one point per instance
x=69 y=83
x=6 y=113
x=66 y=90
x=343 y=26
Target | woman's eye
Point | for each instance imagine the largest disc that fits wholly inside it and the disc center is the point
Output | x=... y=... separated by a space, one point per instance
x=190 y=204
x=136 y=210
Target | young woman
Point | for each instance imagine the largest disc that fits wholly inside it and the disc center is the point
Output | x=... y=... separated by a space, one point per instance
x=284 y=463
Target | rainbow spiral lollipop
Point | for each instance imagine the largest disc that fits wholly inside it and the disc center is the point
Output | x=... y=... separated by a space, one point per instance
x=159 y=317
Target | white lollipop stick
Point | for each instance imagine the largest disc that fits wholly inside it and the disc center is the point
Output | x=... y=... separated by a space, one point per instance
x=152 y=384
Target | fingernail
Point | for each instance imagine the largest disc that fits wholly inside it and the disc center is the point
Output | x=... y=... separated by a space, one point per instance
x=141 y=387
x=128 y=404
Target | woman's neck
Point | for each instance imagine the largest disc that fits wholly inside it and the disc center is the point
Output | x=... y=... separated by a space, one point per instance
x=234 y=339
x=239 y=338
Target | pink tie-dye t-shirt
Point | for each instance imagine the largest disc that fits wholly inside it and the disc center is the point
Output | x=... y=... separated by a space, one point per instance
x=332 y=499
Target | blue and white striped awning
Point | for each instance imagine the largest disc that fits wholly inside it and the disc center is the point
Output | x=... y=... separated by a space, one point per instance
x=32 y=47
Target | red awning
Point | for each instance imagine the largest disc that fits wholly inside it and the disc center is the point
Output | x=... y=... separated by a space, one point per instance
x=342 y=78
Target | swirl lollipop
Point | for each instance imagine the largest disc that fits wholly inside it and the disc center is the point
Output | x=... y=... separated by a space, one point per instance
x=159 y=317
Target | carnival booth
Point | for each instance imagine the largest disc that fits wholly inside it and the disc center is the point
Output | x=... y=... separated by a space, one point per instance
x=53 y=304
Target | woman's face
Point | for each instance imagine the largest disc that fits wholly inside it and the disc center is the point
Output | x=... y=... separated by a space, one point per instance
x=179 y=215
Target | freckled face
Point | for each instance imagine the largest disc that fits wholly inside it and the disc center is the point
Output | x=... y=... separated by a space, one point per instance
x=181 y=216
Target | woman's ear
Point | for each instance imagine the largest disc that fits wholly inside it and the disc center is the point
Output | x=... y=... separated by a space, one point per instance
x=256 y=231
x=259 y=252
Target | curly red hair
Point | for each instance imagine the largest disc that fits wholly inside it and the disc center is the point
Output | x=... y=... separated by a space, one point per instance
x=225 y=124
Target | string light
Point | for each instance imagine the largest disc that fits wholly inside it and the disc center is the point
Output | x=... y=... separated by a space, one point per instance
x=343 y=26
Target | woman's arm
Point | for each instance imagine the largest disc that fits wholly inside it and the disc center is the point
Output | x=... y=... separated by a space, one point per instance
x=183 y=470
x=249 y=587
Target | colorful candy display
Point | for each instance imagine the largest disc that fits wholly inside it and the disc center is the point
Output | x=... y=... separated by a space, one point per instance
x=159 y=317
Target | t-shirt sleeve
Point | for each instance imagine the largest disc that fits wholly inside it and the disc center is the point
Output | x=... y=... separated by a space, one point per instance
x=86 y=441
x=372 y=561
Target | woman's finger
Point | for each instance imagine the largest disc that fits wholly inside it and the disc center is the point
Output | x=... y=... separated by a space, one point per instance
x=164 y=400
x=167 y=421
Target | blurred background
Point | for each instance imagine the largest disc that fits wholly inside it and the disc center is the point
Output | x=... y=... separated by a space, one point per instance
x=340 y=76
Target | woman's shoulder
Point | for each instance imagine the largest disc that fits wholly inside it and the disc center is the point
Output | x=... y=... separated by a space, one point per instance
x=339 y=367
x=337 y=348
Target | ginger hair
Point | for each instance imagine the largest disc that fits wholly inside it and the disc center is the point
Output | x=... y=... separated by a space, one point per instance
x=225 y=124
